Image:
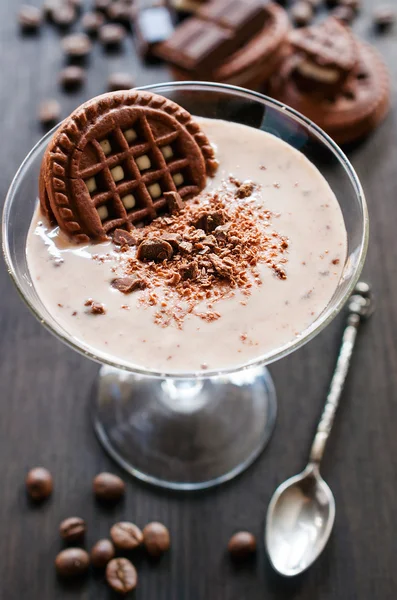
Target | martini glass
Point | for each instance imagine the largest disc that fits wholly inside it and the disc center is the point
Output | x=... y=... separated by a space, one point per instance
x=194 y=430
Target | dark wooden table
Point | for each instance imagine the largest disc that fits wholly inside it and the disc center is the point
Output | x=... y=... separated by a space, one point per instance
x=44 y=415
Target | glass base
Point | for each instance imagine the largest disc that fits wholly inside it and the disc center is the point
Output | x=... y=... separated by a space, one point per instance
x=184 y=434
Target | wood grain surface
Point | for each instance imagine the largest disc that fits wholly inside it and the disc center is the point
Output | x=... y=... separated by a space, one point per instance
x=44 y=412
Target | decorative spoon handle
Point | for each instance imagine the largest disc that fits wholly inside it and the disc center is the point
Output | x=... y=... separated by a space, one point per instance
x=360 y=307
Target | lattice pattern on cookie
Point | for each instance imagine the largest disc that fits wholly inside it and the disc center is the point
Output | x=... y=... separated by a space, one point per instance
x=133 y=170
x=114 y=158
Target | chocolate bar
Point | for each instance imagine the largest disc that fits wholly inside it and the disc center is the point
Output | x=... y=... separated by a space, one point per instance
x=219 y=29
x=153 y=24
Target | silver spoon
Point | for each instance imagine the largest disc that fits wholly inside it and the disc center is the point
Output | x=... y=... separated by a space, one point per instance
x=301 y=512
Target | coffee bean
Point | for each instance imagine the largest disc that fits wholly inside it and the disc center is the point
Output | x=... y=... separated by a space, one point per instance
x=355 y=5
x=384 y=17
x=102 y=553
x=92 y=21
x=49 y=112
x=63 y=15
x=344 y=14
x=29 y=18
x=72 y=77
x=102 y=5
x=242 y=545
x=156 y=538
x=120 y=81
x=77 y=45
x=108 y=487
x=72 y=562
x=302 y=13
x=121 y=575
x=126 y=536
x=112 y=35
x=72 y=529
x=39 y=484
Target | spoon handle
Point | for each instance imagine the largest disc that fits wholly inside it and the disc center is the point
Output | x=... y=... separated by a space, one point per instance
x=360 y=307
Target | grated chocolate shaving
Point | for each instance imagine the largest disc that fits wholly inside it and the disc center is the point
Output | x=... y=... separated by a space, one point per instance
x=191 y=260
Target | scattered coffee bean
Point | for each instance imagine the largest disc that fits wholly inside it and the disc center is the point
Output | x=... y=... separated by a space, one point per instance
x=120 y=81
x=72 y=562
x=355 y=5
x=302 y=13
x=154 y=249
x=126 y=536
x=112 y=35
x=77 y=45
x=72 y=529
x=384 y=17
x=63 y=15
x=242 y=545
x=29 y=18
x=49 y=6
x=39 y=484
x=92 y=21
x=119 y=12
x=49 y=112
x=156 y=539
x=72 y=77
x=121 y=575
x=102 y=5
x=102 y=553
x=108 y=487
x=344 y=14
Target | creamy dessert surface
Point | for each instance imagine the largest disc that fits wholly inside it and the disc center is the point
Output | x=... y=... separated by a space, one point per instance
x=298 y=205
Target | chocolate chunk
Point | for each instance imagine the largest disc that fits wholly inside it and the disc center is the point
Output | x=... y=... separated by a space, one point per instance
x=97 y=308
x=221 y=232
x=152 y=26
x=72 y=77
x=384 y=17
x=302 y=13
x=112 y=35
x=220 y=266
x=243 y=18
x=154 y=249
x=174 y=279
x=77 y=45
x=189 y=270
x=186 y=247
x=174 y=201
x=64 y=15
x=120 y=81
x=245 y=189
x=197 y=45
x=175 y=239
x=129 y=284
x=209 y=240
x=49 y=112
x=209 y=221
x=92 y=21
x=121 y=237
x=29 y=18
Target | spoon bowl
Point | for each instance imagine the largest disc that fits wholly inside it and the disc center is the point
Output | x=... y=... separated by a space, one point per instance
x=299 y=521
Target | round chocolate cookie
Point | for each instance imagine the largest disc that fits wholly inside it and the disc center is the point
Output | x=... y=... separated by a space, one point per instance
x=110 y=163
x=347 y=98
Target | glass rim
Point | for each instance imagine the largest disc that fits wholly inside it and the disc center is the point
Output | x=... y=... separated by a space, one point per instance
x=324 y=319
